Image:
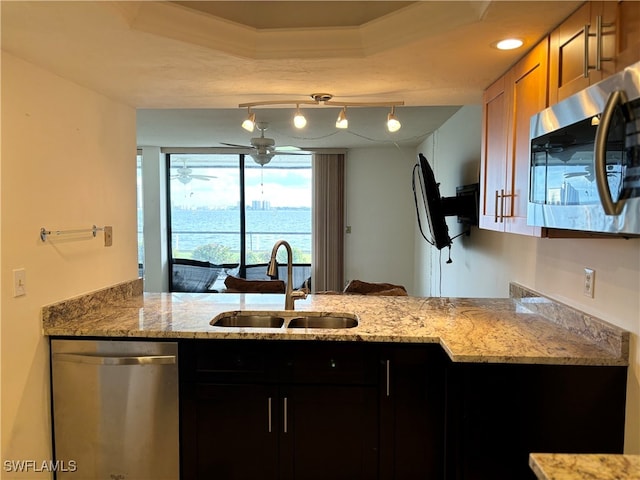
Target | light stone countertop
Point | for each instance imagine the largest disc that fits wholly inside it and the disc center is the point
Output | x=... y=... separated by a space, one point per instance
x=554 y=466
x=526 y=328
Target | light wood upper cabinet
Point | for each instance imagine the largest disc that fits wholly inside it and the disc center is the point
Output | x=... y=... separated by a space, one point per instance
x=508 y=105
x=494 y=155
x=628 y=39
x=596 y=41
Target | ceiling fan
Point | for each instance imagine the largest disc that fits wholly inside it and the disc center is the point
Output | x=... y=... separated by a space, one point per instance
x=185 y=174
x=589 y=174
x=263 y=149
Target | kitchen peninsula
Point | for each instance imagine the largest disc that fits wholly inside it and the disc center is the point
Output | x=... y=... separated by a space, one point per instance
x=499 y=376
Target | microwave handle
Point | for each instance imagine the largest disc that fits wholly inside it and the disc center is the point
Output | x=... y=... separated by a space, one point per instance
x=617 y=98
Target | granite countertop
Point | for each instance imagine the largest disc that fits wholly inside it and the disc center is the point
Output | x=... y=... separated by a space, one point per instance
x=554 y=466
x=526 y=328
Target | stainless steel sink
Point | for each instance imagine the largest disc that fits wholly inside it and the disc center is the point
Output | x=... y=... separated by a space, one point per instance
x=323 y=321
x=241 y=320
x=256 y=319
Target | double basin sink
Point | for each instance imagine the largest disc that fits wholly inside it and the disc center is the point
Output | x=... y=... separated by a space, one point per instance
x=290 y=319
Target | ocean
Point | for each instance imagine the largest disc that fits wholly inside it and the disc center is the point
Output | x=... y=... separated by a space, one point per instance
x=193 y=228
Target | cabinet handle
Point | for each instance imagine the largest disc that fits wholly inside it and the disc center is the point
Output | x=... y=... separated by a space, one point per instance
x=501 y=205
x=269 y=409
x=115 y=360
x=388 y=378
x=585 y=60
x=285 y=415
x=495 y=220
x=599 y=57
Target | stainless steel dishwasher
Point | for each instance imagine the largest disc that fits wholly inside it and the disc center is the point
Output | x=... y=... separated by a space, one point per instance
x=115 y=409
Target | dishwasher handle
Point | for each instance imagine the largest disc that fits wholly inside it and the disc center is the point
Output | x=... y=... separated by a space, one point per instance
x=115 y=360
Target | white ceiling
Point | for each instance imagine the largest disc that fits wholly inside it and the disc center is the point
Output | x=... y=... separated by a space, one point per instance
x=187 y=65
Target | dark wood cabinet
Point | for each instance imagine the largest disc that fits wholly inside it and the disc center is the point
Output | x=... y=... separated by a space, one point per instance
x=279 y=410
x=498 y=414
x=330 y=432
x=309 y=410
x=412 y=399
x=248 y=448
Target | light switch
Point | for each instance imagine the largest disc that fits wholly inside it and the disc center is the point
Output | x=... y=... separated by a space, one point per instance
x=19 y=282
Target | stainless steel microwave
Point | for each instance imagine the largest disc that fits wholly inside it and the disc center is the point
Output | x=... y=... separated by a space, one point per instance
x=585 y=159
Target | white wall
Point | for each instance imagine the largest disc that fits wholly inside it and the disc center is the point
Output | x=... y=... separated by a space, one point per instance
x=380 y=211
x=485 y=262
x=68 y=162
x=154 y=205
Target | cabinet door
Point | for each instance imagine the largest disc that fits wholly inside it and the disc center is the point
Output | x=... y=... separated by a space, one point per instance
x=328 y=432
x=574 y=48
x=628 y=30
x=494 y=155
x=528 y=84
x=412 y=413
x=230 y=432
x=499 y=414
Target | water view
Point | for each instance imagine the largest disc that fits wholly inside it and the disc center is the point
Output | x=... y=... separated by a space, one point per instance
x=193 y=229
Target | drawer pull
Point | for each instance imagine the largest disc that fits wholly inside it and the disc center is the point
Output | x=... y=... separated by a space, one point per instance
x=285 y=415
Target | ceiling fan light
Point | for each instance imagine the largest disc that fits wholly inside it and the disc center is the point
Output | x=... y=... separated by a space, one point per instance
x=393 y=124
x=262 y=158
x=250 y=122
x=342 y=121
x=299 y=121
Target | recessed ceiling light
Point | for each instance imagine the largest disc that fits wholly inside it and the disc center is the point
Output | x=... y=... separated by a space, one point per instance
x=509 y=44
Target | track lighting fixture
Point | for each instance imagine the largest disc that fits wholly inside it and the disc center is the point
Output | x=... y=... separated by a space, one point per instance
x=342 y=121
x=299 y=120
x=393 y=124
x=250 y=122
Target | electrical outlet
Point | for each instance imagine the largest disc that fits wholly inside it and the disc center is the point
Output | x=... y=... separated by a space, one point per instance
x=589 y=282
x=19 y=282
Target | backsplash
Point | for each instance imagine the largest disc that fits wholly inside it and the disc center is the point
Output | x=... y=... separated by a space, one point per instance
x=92 y=301
x=613 y=339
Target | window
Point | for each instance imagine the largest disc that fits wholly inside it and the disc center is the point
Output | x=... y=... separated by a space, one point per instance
x=226 y=211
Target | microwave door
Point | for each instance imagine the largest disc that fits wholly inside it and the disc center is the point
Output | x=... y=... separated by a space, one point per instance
x=562 y=166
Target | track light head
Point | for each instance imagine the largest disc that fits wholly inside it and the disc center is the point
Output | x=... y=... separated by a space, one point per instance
x=250 y=122
x=393 y=124
x=342 y=121
x=298 y=120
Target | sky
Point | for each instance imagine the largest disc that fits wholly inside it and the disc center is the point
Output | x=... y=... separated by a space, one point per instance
x=282 y=187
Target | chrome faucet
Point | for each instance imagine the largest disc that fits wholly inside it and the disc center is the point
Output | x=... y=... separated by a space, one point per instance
x=272 y=271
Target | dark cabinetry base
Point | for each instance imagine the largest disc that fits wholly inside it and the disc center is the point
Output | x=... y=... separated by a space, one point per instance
x=498 y=414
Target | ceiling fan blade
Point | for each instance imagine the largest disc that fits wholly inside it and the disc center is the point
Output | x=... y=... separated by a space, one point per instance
x=292 y=152
x=235 y=145
x=202 y=177
x=289 y=148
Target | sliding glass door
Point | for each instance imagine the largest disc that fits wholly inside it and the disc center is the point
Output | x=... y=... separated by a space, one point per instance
x=226 y=212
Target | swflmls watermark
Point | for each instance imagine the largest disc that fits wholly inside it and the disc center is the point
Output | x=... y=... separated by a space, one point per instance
x=26 y=466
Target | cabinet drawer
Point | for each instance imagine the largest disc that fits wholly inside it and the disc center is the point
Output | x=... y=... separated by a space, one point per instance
x=329 y=363
x=235 y=361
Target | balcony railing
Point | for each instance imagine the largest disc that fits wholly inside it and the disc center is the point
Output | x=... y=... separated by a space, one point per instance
x=186 y=242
